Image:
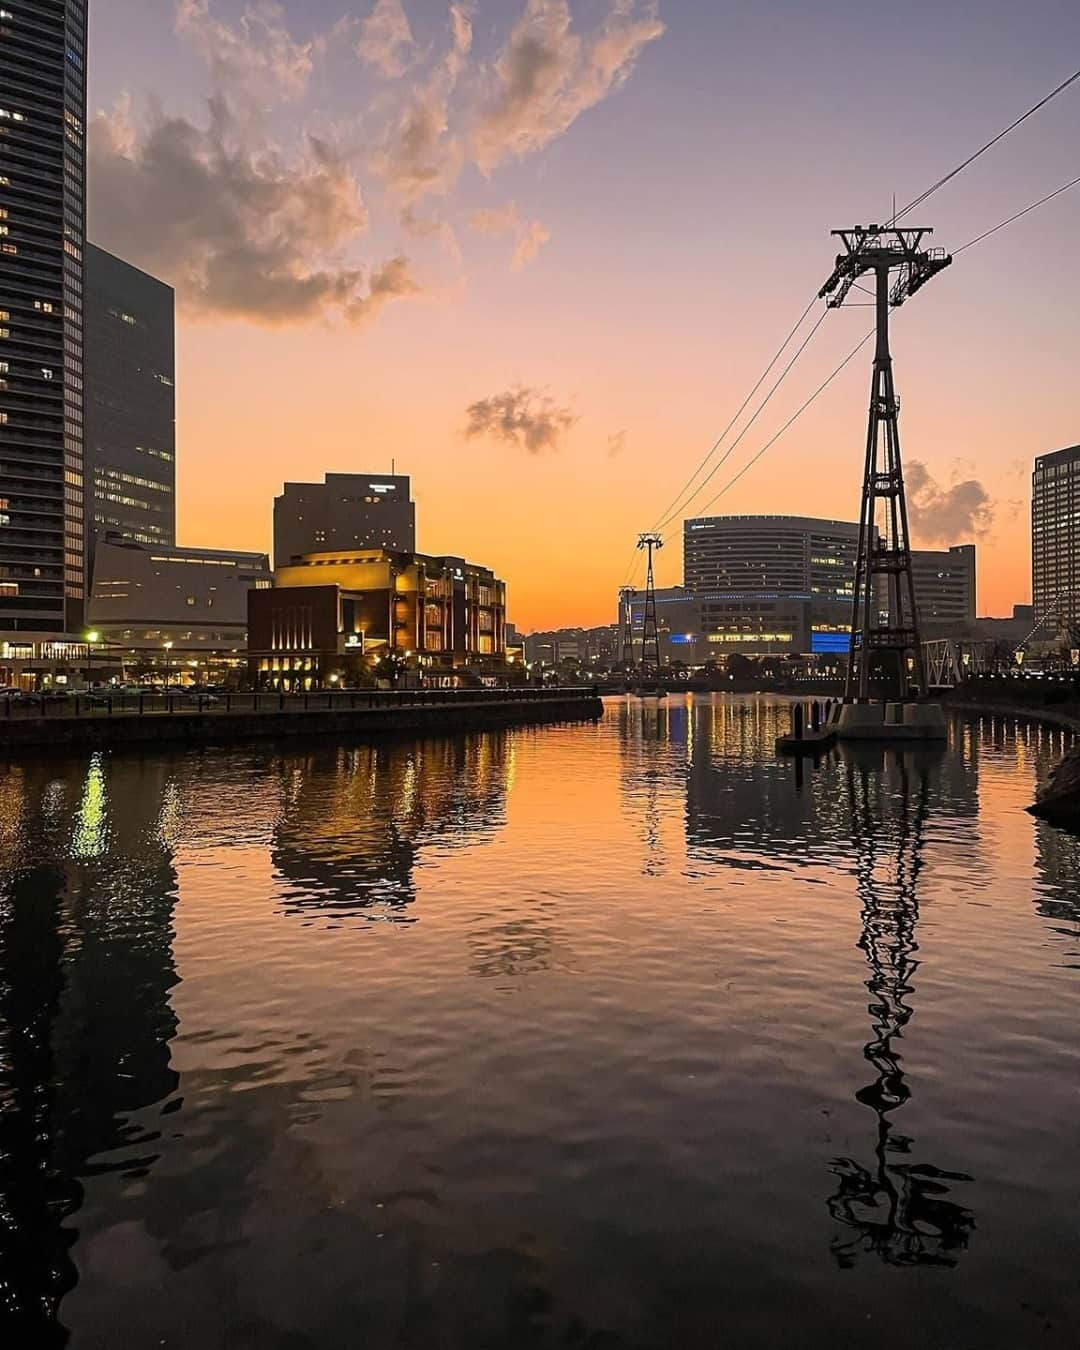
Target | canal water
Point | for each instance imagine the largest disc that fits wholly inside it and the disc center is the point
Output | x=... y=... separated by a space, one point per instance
x=609 y=1037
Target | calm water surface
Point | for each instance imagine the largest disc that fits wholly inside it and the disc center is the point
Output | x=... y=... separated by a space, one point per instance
x=612 y=1037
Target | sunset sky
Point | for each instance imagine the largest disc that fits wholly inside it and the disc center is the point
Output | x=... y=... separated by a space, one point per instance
x=538 y=251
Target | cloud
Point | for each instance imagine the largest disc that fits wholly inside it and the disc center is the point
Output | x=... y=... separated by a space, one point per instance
x=526 y=418
x=547 y=75
x=386 y=39
x=616 y=444
x=419 y=153
x=257 y=59
x=543 y=79
x=946 y=515
x=240 y=229
x=529 y=236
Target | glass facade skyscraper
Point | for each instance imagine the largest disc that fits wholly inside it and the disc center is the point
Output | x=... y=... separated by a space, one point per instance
x=42 y=238
x=130 y=445
x=1055 y=539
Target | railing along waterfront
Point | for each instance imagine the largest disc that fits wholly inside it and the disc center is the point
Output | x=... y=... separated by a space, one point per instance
x=177 y=703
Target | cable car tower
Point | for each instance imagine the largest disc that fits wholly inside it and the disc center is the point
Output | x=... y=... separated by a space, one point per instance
x=884 y=538
x=650 y=635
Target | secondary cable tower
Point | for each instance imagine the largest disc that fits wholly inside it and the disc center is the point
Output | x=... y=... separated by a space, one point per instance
x=650 y=636
x=884 y=538
x=626 y=625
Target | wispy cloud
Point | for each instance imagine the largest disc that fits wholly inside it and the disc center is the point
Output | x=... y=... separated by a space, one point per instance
x=616 y=444
x=528 y=419
x=547 y=75
x=947 y=515
x=257 y=57
x=247 y=224
x=529 y=236
x=386 y=38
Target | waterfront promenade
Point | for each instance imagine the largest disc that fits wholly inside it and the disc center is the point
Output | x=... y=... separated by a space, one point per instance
x=147 y=718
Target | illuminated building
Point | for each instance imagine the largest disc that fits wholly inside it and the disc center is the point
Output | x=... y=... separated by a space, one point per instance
x=42 y=236
x=328 y=611
x=130 y=481
x=349 y=511
x=772 y=584
x=1055 y=539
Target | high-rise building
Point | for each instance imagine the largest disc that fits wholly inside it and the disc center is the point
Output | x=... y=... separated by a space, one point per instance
x=130 y=446
x=772 y=583
x=42 y=236
x=348 y=511
x=1055 y=538
x=944 y=589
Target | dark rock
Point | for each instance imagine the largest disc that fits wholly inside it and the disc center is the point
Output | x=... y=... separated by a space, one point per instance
x=1060 y=794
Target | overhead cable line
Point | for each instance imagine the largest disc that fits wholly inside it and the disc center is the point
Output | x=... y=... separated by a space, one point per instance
x=677 y=503
x=1027 y=209
x=918 y=201
x=792 y=419
x=682 y=499
x=850 y=356
x=760 y=409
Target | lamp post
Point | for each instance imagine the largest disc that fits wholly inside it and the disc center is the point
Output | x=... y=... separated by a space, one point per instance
x=91 y=638
x=168 y=653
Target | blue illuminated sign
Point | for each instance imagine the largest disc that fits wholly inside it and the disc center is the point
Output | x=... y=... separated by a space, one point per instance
x=829 y=644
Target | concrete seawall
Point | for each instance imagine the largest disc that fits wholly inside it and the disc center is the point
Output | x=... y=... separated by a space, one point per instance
x=217 y=728
x=1059 y=797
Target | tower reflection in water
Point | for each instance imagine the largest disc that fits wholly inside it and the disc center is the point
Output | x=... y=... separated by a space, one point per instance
x=896 y=1208
x=863 y=807
x=86 y=967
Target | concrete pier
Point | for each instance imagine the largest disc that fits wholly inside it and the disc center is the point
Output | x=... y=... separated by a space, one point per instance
x=430 y=712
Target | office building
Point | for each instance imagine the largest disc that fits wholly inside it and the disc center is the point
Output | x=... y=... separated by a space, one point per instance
x=945 y=590
x=175 y=605
x=329 y=613
x=771 y=584
x=130 y=442
x=346 y=513
x=1055 y=539
x=42 y=236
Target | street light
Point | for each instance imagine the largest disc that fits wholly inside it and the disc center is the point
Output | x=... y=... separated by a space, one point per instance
x=168 y=652
x=91 y=638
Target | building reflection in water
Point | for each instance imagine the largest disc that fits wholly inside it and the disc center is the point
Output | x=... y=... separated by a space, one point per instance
x=895 y=1208
x=656 y=739
x=355 y=821
x=85 y=1018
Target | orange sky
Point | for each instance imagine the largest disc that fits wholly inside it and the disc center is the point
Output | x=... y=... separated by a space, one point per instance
x=685 y=218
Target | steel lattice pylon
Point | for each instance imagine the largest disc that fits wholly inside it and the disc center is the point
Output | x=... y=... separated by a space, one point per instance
x=650 y=636
x=626 y=622
x=884 y=537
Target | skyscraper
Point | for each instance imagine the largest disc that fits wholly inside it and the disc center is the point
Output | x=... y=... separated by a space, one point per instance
x=42 y=234
x=130 y=405
x=348 y=511
x=1055 y=539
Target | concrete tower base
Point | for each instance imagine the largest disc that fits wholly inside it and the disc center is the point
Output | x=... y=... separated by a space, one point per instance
x=890 y=722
